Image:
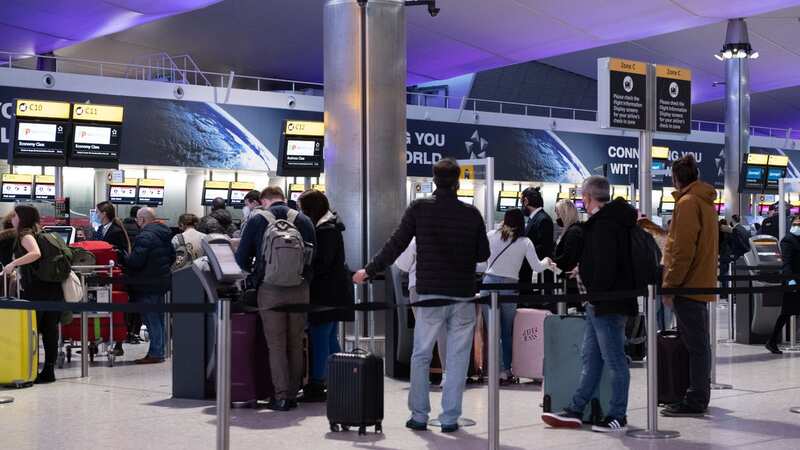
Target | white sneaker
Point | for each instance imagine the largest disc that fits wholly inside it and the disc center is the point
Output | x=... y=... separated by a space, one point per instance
x=444 y=377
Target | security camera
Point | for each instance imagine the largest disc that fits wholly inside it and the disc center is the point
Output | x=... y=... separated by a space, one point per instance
x=291 y=102
x=48 y=80
x=432 y=9
x=178 y=92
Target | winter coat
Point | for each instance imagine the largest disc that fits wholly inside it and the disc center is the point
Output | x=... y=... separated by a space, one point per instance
x=569 y=248
x=540 y=231
x=606 y=264
x=690 y=257
x=790 y=253
x=331 y=285
x=148 y=265
x=451 y=240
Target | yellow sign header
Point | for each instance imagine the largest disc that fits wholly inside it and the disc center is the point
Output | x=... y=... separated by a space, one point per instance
x=42 y=109
x=510 y=194
x=675 y=73
x=102 y=113
x=626 y=65
x=216 y=184
x=779 y=160
x=151 y=182
x=305 y=128
x=45 y=179
x=127 y=182
x=319 y=187
x=17 y=178
x=757 y=158
x=297 y=188
x=465 y=193
x=243 y=185
x=660 y=152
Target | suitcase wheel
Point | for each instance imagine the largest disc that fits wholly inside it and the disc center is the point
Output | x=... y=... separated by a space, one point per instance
x=335 y=428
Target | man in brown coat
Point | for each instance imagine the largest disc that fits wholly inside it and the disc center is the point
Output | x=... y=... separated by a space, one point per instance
x=690 y=261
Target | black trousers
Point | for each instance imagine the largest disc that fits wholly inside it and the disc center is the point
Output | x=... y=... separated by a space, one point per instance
x=783 y=319
x=692 y=317
x=47 y=324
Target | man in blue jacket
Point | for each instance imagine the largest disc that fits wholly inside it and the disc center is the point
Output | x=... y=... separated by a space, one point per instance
x=148 y=269
x=283 y=331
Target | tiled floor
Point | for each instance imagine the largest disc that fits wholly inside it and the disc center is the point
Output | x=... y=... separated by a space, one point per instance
x=130 y=407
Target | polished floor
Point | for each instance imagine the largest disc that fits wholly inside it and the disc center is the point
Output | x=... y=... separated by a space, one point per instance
x=130 y=407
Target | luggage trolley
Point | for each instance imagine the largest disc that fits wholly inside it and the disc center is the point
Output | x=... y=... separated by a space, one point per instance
x=97 y=287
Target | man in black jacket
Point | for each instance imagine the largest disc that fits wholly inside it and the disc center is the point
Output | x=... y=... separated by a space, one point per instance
x=539 y=229
x=605 y=266
x=283 y=331
x=148 y=269
x=219 y=220
x=451 y=240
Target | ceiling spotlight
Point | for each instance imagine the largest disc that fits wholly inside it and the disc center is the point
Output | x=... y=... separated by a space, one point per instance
x=754 y=55
x=727 y=54
x=719 y=57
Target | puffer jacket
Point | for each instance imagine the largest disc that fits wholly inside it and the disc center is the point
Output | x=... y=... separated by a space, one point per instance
x=451 y=240
x=690 y=256
x=148 y=265
x=331 y=285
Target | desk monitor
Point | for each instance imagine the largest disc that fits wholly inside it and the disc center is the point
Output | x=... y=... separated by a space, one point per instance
x=222 y=261
x=214 y=189
x=67 y=234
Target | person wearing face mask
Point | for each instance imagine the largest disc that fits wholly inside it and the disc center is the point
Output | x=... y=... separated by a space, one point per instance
x=252 y=202
x=110 y=228
x=605 y=266
x=790 y=252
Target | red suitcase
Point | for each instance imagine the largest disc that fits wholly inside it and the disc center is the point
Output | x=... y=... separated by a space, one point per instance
x=103 y=251
x=73 y=330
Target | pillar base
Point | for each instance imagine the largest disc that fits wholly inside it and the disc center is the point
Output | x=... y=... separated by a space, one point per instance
x=655 y=434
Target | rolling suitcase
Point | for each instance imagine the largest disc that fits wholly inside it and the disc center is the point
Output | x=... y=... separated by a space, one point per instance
x=673 y=367
x=563 y=342
x=528 y=343
x=19 y=347
x=250 y=376
x=99 y=328
x=355 y=391
x=636 y=338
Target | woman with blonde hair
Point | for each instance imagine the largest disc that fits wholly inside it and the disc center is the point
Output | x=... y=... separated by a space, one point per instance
x=570 y=244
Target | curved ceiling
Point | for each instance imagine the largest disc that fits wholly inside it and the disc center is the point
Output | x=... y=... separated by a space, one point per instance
x=283 y=38
x=40 y=26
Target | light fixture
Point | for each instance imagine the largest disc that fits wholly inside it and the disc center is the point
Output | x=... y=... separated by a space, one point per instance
x=754 y=55
x=719 y=57
x=737 y=43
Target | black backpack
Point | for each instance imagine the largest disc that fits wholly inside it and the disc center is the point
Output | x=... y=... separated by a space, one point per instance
x=645 y=258
x=740 y=241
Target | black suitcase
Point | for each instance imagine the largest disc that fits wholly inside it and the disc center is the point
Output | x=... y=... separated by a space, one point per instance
x=673 y=367
x=355 y=391
x=636 y=338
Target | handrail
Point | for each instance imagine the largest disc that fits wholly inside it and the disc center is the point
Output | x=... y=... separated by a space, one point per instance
x=191 y=74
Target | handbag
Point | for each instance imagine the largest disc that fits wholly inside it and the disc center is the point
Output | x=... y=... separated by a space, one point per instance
x=72 y=288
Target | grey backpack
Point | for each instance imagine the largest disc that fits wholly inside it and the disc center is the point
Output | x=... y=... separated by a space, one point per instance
x=284 y=251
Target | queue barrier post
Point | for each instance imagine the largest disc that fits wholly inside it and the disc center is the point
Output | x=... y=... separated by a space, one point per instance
x=84 y=330
x=223 y=374
x=731 y=299
x=562 y=306
x=712 y=330
x=792 y=347
x=652 y=431
x=494 y=373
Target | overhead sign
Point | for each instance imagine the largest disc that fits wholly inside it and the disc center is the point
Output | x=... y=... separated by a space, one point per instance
x=467 y=172
x=16 y=187
x=216 y=189
x=97 y=113
x=673 y=99
x=304 y=128
x=622 y=93
x=42 y=109
x=44 y=187
x=150 y=192
x=123 y=193
x=238 y=191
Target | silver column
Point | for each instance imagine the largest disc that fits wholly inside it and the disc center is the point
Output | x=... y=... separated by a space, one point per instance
x=365 y=119
x=494 y=373
x=646 y=149
x=223 y=374
x=737 y=115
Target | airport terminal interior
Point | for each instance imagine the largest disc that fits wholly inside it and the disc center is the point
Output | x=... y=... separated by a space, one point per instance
x=189 y=190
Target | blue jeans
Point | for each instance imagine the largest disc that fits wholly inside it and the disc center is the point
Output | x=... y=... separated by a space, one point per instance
x=664 y=315
x=507 y=313
x=459 y=321
x=604 y=343
x=154 y=323
x=323 y=344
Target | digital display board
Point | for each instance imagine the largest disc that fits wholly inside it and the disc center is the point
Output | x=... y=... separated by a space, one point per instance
x=216 y=189
x=150 y=192
x=754 y=177
x=301 y=149
x=466 y=195
x=44 y=187
x=123 y=193
x=40 y=132
x=238 y=190
x=295 y=191
x=773 y=175
x=16 y=187
x=507 y=200
x=96 y=136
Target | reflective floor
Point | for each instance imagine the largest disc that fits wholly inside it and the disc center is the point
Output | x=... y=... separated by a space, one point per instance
x=129 y=407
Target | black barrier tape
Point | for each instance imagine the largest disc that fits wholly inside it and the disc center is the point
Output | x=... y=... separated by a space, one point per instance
x=765 y=277
x=177 y=308
x=726 y=291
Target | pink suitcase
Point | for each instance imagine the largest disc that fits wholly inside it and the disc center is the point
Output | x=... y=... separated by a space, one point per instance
x=528 y=344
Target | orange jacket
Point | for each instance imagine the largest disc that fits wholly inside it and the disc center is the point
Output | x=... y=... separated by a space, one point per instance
x=690 y=256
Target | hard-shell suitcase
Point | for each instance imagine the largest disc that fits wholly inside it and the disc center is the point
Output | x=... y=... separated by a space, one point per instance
x=355 y=391
x=103 y=251
x=673 y=367
x=563 y=343
x=99 y=328
x=19 y=347
x=528 y=344
x=250 y=376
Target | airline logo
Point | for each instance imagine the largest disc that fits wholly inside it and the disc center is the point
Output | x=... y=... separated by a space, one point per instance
x=92 y=135
x=40 y=132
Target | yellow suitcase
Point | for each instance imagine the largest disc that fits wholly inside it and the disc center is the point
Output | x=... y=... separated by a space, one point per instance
x=19 y=347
